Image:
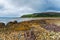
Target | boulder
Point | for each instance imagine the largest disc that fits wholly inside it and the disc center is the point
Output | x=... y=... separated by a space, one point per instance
x=10 y=24
x=2 y=25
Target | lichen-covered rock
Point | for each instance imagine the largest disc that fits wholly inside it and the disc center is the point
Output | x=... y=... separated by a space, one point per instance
x=42 y=30
x=29 y=35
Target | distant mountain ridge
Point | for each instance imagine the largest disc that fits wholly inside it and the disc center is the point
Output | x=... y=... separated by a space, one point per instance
x=43 y=14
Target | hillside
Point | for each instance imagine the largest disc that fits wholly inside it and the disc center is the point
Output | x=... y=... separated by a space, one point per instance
x=44 y=14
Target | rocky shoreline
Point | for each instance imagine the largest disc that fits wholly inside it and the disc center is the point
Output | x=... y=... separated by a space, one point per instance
x=47 y=29
x=26 y=25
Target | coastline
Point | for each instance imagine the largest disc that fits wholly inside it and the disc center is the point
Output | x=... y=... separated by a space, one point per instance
x=42 y=29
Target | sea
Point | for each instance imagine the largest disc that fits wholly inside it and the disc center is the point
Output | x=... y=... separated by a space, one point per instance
x=18 y=19
x=11 y=19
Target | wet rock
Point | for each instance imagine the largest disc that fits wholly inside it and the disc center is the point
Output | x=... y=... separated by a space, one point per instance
x=14 y=22
x=10 y=24
x=2 y=25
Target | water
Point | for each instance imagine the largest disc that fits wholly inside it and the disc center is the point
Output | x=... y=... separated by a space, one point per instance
x=18 y=19
x=8 y=19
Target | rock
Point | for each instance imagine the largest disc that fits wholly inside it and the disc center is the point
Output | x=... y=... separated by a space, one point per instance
x=43 y=22
x=29 y=35
x=2 y=25
x=14 y=22
x=10 y=24
x=52 y=27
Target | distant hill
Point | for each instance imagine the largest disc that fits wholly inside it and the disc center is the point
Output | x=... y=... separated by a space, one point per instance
x=44 y=14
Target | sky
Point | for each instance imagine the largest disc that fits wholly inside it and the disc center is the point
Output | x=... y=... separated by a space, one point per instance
x=17 y=8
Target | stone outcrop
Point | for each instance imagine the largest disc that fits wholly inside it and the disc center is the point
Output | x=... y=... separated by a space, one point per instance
x=27 y=24
x=12 y=24
x=29 y=35
x=42 y=30
x=50 y=27
x=2 y=25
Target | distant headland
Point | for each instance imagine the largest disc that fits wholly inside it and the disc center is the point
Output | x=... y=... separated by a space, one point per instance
x=43 y=14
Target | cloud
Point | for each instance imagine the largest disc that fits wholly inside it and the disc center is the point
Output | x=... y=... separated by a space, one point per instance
x=54 y=5
x=13 y=8
x=38 y=5
x=16 y=8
